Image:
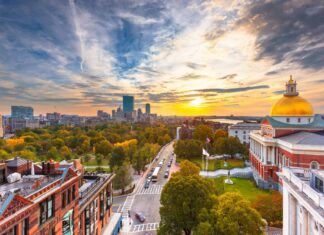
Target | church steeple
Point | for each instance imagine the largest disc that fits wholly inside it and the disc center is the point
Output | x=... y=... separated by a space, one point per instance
x=291 y=88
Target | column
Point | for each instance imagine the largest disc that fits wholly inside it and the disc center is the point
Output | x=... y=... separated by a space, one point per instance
x=285 y=219
x=305 y=222
x=292 y=212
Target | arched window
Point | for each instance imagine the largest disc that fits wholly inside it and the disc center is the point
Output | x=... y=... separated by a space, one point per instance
x=314 y=165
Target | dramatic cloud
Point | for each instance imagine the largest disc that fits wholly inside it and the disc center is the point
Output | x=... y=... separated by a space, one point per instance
x=78 y=56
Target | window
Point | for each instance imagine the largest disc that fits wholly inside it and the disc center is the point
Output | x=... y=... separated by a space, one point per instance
x=314 y=165
x=309 y=120
x=63 y=199
x=68 y=196
x=73 y=192
x=244 y=132
x=299 y=120
x=235 y=132
x=46 y=209
x=318 y=184
x=288 y=120
x=291 y=89
x=25 y=226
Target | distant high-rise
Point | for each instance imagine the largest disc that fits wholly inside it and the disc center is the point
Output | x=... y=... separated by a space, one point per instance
x=128 y=104
x=22 y=112
x=1 y=127
x=147 y=108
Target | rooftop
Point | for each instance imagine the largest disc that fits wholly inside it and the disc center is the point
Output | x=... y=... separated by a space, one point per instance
x=246 y=125
x=305 y=138
x=318 y=123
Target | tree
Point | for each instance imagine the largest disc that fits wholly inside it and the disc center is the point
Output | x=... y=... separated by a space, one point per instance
x=187 y=168
x=104 y=147
x=229 y=145
x=270 y=208
x=4 y=155
x=99 y=158
x=188 y=149
x=58 y=143
x=234 y=215
x=118 y=156
x=202 y=132
x=123 y=176
x=220 y=133
x=66 y=153
x=182 y=199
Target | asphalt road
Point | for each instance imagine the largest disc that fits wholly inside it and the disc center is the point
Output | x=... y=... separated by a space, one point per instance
x=147 y=201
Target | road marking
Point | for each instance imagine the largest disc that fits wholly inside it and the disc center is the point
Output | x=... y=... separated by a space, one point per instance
x=127 y=206
x=153 y=189
x=144 y=227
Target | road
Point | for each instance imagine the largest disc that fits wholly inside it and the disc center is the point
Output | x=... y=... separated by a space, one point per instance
x=146 y=201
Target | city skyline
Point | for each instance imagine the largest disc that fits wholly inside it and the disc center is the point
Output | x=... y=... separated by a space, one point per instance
x=184 y=58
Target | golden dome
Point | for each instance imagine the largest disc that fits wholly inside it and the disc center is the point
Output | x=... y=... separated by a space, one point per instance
x=292 y=106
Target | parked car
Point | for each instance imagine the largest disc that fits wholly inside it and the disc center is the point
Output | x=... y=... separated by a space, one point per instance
x=166 y=174
x=147 y=184
x=149 y=175
x=140 y=217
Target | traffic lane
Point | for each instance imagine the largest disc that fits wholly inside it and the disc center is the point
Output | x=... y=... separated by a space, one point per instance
x=149 y=205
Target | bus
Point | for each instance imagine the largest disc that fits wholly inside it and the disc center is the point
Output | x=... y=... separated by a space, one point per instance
x=155 y=174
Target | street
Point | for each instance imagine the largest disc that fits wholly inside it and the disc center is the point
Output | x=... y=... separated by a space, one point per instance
x=146 y=201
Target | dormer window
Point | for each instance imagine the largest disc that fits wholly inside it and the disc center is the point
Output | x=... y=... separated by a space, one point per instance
x=299 y=120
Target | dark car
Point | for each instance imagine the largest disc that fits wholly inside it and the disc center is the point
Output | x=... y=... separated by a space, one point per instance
x=147 y=184
x=169 y=164
x=140 y=217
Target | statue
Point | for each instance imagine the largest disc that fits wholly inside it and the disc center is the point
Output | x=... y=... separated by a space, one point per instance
x=228 y=180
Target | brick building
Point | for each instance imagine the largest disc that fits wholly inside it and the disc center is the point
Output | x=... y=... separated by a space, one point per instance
x=291 y=136
x=57 y=199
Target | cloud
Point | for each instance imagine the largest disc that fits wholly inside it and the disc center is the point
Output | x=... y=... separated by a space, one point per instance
x=233 y=90
x=288 y=30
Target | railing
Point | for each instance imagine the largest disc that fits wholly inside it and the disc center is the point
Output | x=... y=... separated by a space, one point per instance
x=93 y=188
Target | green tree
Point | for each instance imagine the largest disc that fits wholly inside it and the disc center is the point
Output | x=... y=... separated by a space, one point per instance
x=188 y=149
x=99 y=158
x=183 y=198
x=65 y=153
x=219 y=133
x=4 y=155
x=123 y=176
x=118 y=156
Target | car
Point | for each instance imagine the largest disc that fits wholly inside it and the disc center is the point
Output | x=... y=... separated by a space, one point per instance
x=140 y=217
x=169 y=164
x=149 y=178
x=166 y=174
x=147 y=184
x=149 y=175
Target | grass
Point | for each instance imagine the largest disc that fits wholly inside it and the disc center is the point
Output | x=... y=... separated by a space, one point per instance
x=93 y=162
x=246 y=187
x=218 y=164
x=106 y=169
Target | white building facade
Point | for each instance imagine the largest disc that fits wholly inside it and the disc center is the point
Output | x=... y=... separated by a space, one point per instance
x=242 y=131
x=303 y=201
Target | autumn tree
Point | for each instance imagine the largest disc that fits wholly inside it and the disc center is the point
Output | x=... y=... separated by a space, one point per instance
x=104 y=147
x=202 y=132
x=270 y=208
x=232 y=214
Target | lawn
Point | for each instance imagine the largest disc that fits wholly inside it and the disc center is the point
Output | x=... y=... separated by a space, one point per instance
x=218 y=164
x=93 y=162
x=246 y=187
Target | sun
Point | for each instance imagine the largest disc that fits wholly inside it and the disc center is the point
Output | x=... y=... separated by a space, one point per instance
x=196 y=102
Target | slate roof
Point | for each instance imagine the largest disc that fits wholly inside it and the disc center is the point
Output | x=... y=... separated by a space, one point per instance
x=17 y=161
x=305 y=138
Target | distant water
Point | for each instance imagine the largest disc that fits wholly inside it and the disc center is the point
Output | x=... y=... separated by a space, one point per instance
x=225 y=120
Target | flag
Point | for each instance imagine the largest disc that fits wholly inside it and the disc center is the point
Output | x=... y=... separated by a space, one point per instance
x=204 y=152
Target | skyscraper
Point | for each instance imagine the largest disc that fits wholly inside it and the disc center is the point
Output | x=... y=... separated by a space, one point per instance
x=1 y=127
x=128 y=104
x=147 y=108
x=22 y=112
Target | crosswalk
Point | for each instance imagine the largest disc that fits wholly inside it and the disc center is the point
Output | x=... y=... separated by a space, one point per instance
x=153 y=189
x=144 y=227
x=127 y=206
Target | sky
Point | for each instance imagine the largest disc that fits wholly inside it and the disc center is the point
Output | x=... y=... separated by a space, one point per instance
x=217 y=57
